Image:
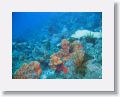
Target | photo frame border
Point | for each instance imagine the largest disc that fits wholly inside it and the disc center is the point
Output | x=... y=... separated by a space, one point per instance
x=104 y=84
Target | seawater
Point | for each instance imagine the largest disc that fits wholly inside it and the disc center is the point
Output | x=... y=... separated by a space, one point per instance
x=38 y=35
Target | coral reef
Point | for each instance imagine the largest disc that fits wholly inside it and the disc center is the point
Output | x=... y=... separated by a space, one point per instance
x=90 y=38
x=83 y=33
x=67 y=46
x=58 y=59
x=75 y=45
x=57 y=64
x=29 y=71
x=77 y=55
x=54 y=61
x=64 y=52
x=71 y=59
x=78 y=59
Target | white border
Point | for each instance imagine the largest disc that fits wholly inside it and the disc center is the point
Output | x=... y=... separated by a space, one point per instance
x=104 y=84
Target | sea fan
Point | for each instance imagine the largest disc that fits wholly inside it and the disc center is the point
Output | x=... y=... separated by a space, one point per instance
x=78 y=59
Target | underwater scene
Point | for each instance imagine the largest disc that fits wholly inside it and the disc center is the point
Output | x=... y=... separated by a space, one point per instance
x=56 y=45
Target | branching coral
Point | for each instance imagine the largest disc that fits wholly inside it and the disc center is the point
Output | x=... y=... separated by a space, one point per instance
x=28 y=71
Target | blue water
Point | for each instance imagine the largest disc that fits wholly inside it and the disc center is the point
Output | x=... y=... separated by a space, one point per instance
x=25 y=24
x=42 y=31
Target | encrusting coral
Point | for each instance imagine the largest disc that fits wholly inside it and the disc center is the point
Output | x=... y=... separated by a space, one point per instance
x=29 y=71
x=77 y=55
x=65 y=45
x=58 y=59
x=64 y=52
x=54 y=61
x=57 y=64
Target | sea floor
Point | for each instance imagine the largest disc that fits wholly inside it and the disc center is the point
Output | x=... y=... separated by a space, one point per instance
x=25 y=52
